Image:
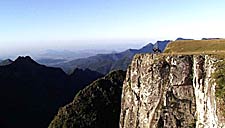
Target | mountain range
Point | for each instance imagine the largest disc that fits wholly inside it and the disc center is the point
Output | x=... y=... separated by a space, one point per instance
x=51 y=57
x=31 y=93
x=5 y=62
x=104 y=63
x=157 y=92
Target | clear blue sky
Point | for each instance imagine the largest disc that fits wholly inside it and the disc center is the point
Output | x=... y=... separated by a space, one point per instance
x=63 y=23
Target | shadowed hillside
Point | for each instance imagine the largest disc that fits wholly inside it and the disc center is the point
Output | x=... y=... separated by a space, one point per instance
x=96 y=106
x=31 y=93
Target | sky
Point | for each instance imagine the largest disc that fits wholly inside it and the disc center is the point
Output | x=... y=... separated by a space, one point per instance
x=67 y=24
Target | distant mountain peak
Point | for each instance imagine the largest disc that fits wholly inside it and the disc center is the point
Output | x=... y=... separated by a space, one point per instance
x=25 y=60
x=180 y=38
x=86 y=70
x=147 y=48
x=211 y=38
x=148 y=45
x=6 y=62
x=104 y=63
x=161 y=45
x=9 y=60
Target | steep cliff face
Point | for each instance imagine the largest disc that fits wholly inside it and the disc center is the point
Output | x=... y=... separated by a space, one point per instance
x=205 y=92
x=169 y=91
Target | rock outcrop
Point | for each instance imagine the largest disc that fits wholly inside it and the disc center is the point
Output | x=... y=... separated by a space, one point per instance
x=170 y=91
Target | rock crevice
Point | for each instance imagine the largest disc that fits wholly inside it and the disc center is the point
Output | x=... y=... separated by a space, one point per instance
x=170 y=92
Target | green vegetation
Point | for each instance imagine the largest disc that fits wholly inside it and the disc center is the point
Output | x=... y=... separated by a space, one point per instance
x=96 y=106
x=219 y=76
x=196 y=46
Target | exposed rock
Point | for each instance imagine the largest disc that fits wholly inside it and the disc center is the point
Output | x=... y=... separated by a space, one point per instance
x=204 y=92
x=170 y=92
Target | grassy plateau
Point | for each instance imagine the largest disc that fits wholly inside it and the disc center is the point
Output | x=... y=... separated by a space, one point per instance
x=196 y=47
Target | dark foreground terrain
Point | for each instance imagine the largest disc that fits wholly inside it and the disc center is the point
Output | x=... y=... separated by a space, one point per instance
x=31 y=94
x=96 y=106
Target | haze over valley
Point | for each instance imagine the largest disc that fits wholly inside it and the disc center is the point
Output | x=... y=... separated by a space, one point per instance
x=112 y=64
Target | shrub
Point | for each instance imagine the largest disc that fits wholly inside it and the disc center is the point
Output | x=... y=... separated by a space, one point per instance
x=219 y=77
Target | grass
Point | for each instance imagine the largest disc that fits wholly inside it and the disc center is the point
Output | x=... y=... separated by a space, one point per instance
x=196 y=47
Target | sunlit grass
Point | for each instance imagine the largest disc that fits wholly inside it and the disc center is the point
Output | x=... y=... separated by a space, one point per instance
x=196 y=47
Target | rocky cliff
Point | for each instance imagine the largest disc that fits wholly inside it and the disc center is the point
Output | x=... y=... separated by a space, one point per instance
x=170 y=91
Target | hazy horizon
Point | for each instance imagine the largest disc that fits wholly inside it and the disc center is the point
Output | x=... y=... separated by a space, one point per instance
x=34 y=25
x=72 y=46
